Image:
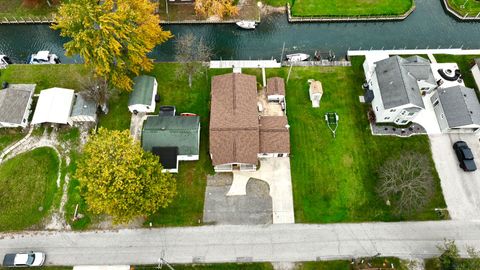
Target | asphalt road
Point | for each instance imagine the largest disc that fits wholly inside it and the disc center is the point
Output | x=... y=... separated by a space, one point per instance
x=461 y=190
x=276 y=243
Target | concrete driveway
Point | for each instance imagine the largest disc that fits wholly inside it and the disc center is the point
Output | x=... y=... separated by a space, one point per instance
x=461 y=190
x=276 y=172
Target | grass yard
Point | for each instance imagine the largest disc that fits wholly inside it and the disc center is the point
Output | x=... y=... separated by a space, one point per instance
x=9 y=136
x=216 y=266
x=308 y=8
x=463 y=7
x=334 y=180
x=46 y=76
x=27 y=188
x=465 y=63
x=25 y=8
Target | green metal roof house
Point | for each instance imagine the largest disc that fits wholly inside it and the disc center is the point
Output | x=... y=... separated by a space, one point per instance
x=142 y=98
x=162 y=133
x=84 y=110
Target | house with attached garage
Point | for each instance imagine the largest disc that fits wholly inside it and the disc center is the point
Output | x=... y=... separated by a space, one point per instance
x=142 y=98
x=239 y=133
x=15 y=102
x=172 y=138
x=457 y=109
x=397 y=84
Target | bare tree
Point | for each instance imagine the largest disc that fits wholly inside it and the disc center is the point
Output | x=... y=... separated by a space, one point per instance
x=407 y=182
x=191 y=53
x=98 y=90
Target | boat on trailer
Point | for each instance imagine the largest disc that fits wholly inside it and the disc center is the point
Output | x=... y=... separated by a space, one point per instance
x=249 y=25
x=297 y=57
x=43 y=58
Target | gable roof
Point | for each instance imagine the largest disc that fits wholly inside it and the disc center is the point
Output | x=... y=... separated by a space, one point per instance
x=234 y=127
x=460 y=106
x=397 y=80
x=172 y=131
x=275 y=86
x=142 y=90
x=54 y=106
x=14 y=102
x=274 y=135
x=84 y=106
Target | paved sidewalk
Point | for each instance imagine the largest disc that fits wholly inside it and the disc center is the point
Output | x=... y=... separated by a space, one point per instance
x=274 y=243
x=276 y=172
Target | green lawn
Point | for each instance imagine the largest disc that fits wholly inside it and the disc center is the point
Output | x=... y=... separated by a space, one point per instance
x=463 y=7
x=216 y=266
x=334 y=180
x=465 y=63
x=46 y=76
x=24 y=8
x=27 y=188
x=307 y=8
x=9 y=136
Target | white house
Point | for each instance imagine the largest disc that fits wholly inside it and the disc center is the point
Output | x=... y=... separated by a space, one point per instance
x=15 y=102
x=54 y=106
x=397 y=86
x=275 y=89
x=84 y=110
x=142 y=98
x=457 y=109
x=315 y=92
x=476 y=72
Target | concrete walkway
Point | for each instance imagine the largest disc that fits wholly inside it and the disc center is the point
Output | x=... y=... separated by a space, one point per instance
x=274 y=243
x=276 y=172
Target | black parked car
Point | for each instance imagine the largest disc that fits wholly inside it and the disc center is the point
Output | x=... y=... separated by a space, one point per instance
x=465 y=156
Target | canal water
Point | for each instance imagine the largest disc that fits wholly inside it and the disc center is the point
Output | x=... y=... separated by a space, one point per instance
x=428 y=26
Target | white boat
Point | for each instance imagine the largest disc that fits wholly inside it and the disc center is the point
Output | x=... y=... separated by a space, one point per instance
x=4 y=61
x=246 y=24
x=43 y=58
x=297 y=57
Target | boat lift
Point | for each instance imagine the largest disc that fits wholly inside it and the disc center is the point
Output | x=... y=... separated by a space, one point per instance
x=332 y=122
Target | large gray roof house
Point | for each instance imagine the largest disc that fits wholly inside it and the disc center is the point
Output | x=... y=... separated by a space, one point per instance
x=15 y=101
x=398 y=84
x=457 y=109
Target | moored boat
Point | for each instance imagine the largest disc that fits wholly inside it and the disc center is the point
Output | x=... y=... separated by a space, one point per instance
x=43 y=58
x=297 y=57
x=246 y=24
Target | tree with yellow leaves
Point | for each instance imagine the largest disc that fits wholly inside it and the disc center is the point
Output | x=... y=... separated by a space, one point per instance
x=119 y=179
x=219 y=8
x=113 y=37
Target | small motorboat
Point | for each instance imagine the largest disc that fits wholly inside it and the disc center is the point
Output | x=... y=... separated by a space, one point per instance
x=297 y=57
x=246 y=24
x=43 y=58
x=4 y=61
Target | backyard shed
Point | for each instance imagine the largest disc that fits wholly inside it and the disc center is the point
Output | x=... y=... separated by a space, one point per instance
x=54 y=106
x=15 y=102
x=162 y=133
x=84 y=110
x=316 y=92
x=142 y=98
x=276 y=89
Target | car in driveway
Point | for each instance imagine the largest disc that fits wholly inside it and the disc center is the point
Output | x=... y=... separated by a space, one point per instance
x=464 y=156
x=24 y=259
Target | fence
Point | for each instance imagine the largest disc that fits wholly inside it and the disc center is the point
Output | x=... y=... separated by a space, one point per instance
x=322 y=63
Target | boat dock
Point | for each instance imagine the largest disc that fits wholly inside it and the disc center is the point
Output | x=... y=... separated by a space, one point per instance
x=28 y=20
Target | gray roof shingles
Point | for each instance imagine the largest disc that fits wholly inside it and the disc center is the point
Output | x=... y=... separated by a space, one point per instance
x=460 y=105
x=84 y=107
x=14 y=102
x=397 y=79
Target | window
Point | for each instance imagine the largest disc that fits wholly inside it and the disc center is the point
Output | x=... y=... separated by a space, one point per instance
x=435 y=103
x=442 y=116
x=424 y=88
x=386 y=118
x=376 y=108
x=404 y=121
x=410 y=114
x=392 y=110
x=280 y=155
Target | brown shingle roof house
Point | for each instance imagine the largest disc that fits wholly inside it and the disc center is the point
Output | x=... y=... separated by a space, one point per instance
x=275 y=86
x=235 y=139
x=274 y=134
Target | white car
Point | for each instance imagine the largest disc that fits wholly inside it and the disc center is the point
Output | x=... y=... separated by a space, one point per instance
x=24 y=259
